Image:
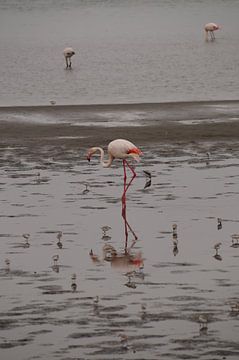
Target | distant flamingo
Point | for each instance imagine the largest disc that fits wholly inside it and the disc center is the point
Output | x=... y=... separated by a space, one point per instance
x=68 y=53
x=210 y=28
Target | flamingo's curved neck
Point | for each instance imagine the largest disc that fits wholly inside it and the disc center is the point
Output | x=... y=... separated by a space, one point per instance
x=106 y=163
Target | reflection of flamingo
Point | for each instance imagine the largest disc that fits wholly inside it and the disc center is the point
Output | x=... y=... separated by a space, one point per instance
x=210 y=28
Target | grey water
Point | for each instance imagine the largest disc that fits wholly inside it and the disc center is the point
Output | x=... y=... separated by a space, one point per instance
x=42 y=317
x=126 y=51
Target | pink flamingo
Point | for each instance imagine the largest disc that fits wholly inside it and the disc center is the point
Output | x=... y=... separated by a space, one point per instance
x=210 y=28
x=120 y=149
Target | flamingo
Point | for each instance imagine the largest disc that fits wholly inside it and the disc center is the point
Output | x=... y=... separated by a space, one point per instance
x=210 y=28
x=68 y=53
x=119 y=149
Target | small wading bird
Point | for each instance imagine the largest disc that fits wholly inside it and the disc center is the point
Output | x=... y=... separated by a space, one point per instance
x=96 y=301
x=7 y=262
x=219 y=223
x=73 y=282
x=217 y=247
x=119 y=149
x=59 y=243
x=104 y=229
x=175 y=233
x=26 y=237
x=235 y=307
x=68 y=53
x=235 y=239
x=55 y=266
x=209 y=29
x=203 y=321
x=143 y=312
x=86 y=190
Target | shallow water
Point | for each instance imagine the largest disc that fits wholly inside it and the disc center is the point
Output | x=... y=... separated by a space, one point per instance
x=41 y=317
x=126 y=51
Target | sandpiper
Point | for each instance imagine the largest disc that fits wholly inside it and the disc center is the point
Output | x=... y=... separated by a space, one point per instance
x=59 y=236
x=203 y=321
x=86 y=190
x=73 y=282
x=26 y=237
x=175 y=234
x=219 y=223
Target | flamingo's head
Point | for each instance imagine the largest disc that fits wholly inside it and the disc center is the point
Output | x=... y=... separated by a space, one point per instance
x=90 y=152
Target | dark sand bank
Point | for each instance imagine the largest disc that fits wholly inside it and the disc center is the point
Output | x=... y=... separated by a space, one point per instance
x=86 y=125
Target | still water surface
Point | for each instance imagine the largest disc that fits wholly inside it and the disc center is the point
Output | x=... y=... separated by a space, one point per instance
x=41 y=317
x=126 y=51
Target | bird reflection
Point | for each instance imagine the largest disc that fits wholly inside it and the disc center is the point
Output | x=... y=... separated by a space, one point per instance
x=55 y=266
x=86 y=190
x=143 y=312
x=175 y=239
x=175 y=249
x=234 y=308
x=109 y=252
x=217 y=247
x=96 y=300
x=219 y=223
x=175 y=233
x=73 y=282
x=138 y=273
x=38 y=178
x=7 y=262
x=130 y=283
x=59 y=243
x=26 y=237
x=203 y=322
x=148 y=179
x=235 y=240
x=208 y=158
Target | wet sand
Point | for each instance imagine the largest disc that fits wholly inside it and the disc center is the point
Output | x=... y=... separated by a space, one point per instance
x=192 y=152
x=143 y=123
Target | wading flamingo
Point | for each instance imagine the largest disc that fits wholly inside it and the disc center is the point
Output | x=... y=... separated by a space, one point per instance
x=119 y=149
x=68 y=53
x=210 y=28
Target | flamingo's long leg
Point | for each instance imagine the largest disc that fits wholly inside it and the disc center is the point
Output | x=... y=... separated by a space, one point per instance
x=127 y=226
x=134 y=175
x=123 y=196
